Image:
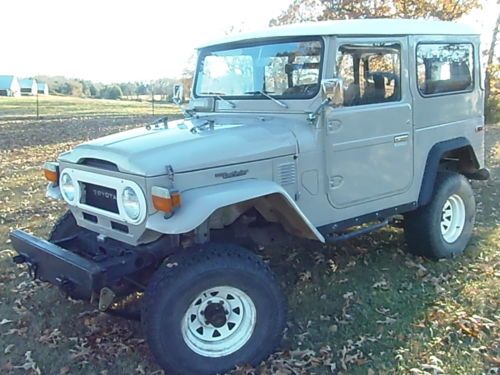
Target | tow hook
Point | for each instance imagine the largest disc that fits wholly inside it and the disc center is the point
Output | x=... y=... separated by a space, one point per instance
x=65 y=286
x=106 y=298
x=32 y=267
x=19 y=259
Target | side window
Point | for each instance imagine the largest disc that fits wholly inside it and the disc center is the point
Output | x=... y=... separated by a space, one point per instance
x=371 y=73
x=444 y=68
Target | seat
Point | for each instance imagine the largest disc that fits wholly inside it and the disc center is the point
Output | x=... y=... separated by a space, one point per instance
x=375 y=93
x=351 y=95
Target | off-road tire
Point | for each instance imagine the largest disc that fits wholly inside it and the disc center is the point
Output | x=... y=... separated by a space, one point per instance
x=64 y=227
x=422 y=227
x=177 y=283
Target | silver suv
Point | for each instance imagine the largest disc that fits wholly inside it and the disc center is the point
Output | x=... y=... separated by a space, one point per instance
x=321 y=131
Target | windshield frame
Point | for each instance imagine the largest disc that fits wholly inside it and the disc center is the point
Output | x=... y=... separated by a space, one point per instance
x=245 y=43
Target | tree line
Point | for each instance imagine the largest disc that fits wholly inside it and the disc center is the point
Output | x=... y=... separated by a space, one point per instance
x=59 y=85
x=321 y=10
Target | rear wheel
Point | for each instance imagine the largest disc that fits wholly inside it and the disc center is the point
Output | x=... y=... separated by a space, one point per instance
x=211 y=309
x=442 y=229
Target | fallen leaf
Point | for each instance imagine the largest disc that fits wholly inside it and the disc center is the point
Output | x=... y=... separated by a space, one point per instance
x=494 y=360
x=387 y=320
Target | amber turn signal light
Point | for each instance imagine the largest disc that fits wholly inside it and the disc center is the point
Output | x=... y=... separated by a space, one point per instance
x=165 y=200
x=51 y=172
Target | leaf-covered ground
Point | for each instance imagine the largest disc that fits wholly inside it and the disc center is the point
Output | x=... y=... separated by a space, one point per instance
x=366 y=307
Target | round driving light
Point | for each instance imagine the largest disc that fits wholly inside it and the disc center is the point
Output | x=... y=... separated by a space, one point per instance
x=67 y=187
x=131 y=203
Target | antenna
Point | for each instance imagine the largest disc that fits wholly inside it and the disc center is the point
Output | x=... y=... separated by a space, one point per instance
x=153 y=97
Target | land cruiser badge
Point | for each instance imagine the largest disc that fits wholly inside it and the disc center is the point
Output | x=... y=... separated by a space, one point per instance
x=232 y=174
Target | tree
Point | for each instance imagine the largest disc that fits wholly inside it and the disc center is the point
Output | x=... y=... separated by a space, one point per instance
x=141 y=89
x=188 y=74
x=94 y=90
x=163 y=87
x=321 y=10
x=72 y=87
x=128 y=88
x=445 y=10
x=491 y=92
x=300 y=11
x=112 y=92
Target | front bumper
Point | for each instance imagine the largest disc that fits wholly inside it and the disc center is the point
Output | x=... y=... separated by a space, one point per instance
x=83 y=265
x=75 y=275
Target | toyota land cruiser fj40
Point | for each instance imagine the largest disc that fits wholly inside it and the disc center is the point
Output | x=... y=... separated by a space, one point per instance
x=324 y=131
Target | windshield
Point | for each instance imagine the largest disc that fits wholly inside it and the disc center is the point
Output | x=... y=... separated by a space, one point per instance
x=287 y=69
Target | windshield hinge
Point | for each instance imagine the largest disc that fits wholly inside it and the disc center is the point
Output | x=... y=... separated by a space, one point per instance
x=313 y=116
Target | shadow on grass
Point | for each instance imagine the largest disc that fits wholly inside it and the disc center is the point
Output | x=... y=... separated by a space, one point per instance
x=368 y=303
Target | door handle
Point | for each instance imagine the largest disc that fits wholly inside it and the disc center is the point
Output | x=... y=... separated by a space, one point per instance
x=401 y=138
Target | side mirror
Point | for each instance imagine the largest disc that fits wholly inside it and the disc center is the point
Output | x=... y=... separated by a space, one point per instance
x=178 y=94
x=333 y=90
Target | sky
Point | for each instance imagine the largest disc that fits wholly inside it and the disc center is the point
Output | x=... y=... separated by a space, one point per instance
x=114 y=41
x=108 y=40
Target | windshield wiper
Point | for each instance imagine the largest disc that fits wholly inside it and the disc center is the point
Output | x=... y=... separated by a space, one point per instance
x=263 y=93
x=218 y=95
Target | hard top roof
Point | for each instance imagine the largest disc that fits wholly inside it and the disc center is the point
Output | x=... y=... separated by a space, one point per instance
x=358 y=27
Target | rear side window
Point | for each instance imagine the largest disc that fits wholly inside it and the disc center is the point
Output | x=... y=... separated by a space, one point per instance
x=444 y=68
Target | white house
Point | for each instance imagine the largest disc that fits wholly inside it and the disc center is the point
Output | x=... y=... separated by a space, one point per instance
x=43 y=88
x=28 y=86
x=9 y=86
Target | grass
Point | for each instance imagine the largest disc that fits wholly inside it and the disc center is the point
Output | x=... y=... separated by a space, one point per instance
x=64 y=107
x=365 y=307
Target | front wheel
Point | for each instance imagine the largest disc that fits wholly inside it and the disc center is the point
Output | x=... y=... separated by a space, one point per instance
x=442 y=229
x=64 y=227
x=210 y=309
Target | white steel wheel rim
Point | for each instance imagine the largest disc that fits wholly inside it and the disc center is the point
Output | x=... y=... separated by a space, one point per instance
x=452 y=218
x=219 y=321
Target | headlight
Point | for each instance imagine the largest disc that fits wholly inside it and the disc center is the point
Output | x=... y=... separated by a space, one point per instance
x=131 y=204
x=68 y=189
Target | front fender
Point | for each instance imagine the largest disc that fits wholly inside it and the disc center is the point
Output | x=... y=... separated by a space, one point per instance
x=198 y=204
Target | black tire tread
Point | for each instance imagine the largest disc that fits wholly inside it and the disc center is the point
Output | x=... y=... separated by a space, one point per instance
x=185 y=259
x=418 y=224
x=62 y=226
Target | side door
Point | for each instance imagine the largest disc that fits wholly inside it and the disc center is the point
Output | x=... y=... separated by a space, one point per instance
x=369 y=137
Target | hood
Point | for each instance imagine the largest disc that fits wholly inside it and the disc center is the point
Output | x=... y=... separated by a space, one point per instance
x=187 y=145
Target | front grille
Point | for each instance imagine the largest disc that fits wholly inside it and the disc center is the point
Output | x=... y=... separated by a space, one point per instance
x=89 y=217
x=100 y=197
x=120 y=227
